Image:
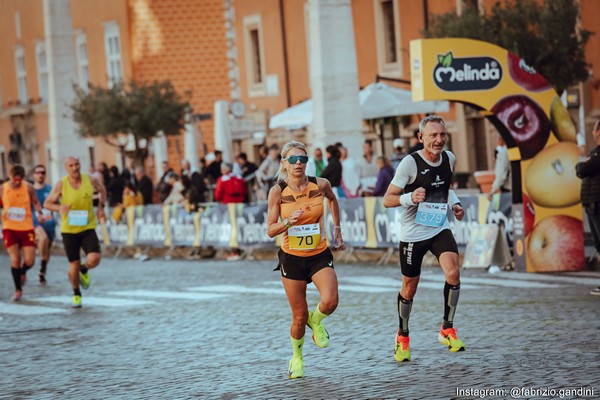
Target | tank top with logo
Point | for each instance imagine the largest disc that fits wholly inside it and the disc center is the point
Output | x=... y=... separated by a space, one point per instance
x=16 y=204
x=81 y=215
x=307 y=237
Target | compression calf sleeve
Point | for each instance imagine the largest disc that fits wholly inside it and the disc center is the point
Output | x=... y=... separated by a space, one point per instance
x=16 y=274
x=451 y=294
x=404 y=307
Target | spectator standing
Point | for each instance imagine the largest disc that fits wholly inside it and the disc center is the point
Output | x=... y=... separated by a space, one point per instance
x=589 y=172
x=384 y=177
x=398 y=153
x=213 y=171
x=115 y=187
x=143 y=184
x=333 y=170
x=248 y=173
x=163 y=188
x=176 y=195
x=230 y=187
x=368 y=167
x=267 y=171
x=415 y=143
x=350 y=173
x=502 y=182
x=316 y=164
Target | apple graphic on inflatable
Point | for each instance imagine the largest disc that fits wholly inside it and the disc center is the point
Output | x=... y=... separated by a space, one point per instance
x=528 y=214
x=562 y=124
x=556 y=244
x=525 y=75
x=550 y=178
x=526 y=122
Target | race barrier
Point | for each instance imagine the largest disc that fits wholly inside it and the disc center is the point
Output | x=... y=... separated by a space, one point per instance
x=365 y=223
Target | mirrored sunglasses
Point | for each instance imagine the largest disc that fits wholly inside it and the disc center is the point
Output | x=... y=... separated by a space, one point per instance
x=295 y=159
x=40 y=172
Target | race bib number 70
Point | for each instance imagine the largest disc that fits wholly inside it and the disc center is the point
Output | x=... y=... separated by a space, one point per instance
x=304 y=237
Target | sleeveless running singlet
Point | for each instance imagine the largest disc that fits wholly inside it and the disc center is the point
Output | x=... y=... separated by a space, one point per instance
x=16 y=215
x=81 y=215
x=307 y=237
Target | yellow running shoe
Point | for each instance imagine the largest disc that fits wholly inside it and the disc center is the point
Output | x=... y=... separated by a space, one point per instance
x=76 y=301
x=320 y=335
x=448 y=337
x=402 y=352
x=84 y=279
x=296 y=368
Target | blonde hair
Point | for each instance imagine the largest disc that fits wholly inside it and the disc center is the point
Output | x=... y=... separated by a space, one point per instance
x=282 y=173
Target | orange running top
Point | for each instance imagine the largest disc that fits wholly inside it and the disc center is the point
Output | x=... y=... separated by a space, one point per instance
x=307 y=237
x=16 y=204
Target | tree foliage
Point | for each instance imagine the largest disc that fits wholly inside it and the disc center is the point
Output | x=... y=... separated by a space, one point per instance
x=546 y=36
x=140 y=109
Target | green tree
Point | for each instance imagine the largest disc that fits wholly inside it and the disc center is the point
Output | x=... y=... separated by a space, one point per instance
x=140 y=109
x=546 y=36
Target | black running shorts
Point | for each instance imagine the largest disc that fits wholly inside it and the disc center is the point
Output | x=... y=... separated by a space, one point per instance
x=412 y=253
x=75 y=242
x=303 y=268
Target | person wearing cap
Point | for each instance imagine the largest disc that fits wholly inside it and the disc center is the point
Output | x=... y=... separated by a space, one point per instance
x=398 y=153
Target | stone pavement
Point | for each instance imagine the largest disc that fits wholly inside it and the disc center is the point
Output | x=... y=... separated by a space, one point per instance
x=220 y=330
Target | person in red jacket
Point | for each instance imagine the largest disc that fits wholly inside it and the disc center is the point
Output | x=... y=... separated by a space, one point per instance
x=230 y=188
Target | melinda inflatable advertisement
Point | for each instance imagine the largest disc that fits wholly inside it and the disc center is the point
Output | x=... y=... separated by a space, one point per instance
x=538 y=131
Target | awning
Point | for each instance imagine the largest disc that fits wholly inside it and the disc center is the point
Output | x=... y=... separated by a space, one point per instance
x=377 y=100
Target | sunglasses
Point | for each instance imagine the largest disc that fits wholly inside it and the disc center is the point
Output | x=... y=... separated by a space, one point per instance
x=40 y=172
x=295 y=159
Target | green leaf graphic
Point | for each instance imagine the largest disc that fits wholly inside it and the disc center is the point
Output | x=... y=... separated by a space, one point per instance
x=447 y=60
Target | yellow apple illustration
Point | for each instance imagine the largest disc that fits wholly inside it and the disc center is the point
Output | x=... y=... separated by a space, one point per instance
x=562 y=124
x=550 y=178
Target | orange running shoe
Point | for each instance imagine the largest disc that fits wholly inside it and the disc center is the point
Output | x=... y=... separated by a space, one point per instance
x=402 y=352
x=448 y=337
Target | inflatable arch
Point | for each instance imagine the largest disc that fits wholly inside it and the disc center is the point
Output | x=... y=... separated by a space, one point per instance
x=539 y=133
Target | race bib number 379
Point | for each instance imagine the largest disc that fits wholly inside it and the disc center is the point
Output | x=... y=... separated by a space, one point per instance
x=431 y=214
x=304 y=237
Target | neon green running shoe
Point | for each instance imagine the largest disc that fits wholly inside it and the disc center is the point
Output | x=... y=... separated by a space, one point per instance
x=296 y=368
x=448 y=337
x=402 y=352
x=320 y=335
x=76 y=301
x=84 y=279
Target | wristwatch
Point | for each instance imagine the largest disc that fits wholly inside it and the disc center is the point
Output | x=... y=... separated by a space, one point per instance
x=286 y=223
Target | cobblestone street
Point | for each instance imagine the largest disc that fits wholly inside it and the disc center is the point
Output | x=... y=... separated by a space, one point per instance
x=216 y=329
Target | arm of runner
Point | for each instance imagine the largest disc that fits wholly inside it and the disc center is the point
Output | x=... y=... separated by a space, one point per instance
x=35 y=202
x=274 y=226
x=334 y=207
x=52 y=203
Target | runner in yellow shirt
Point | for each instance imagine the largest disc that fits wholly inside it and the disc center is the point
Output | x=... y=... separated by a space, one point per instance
x=18 y=199
x=73 y=198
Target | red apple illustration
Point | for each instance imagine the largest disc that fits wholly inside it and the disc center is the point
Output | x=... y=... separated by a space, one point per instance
x=526 y=121
x=525 y=75
x=556 y=244
x=528 y=214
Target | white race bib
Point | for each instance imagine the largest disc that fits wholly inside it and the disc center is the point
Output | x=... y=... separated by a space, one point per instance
x=431 y=214
x=15 y=214
x=304 y=237
x=77 y=218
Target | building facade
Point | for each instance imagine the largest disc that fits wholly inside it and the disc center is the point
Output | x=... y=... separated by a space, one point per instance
x=255 y=54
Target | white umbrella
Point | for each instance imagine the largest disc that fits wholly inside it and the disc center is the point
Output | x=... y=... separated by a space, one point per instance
x=295 y=117
x=377 y=100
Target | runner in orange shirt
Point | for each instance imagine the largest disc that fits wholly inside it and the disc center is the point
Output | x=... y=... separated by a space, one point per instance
x=18 y=198
x=296 y=209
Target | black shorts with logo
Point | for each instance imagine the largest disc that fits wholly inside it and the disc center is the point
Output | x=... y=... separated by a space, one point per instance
x=75 y=242
x=303 y=268
x=412 y=253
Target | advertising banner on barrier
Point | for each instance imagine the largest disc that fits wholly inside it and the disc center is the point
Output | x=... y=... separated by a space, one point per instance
x=251 y=223
x=216 y=226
